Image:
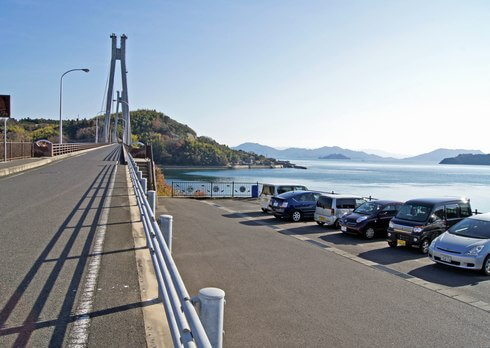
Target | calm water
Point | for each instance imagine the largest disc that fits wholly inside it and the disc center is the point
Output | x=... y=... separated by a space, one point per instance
x=380 y=180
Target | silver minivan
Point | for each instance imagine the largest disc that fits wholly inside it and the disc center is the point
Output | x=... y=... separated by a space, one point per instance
x=271 y=190
x=331 y=207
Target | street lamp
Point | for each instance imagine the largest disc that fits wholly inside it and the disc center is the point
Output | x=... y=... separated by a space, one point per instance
x=61 y=98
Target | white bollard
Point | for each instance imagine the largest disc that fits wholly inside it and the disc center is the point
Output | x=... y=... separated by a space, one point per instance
x=144 y=185
x=166 y=228
x=211 y=313
x=152 y=195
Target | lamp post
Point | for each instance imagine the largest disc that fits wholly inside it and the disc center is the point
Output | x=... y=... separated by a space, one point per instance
x=61 y=98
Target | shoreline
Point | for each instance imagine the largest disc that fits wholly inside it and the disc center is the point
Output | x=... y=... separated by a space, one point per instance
x=221 y=167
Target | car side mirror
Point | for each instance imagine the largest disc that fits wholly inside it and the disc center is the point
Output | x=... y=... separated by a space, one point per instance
x=432 y=219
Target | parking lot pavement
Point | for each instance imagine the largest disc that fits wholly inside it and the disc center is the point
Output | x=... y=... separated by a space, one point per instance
x=466 y=285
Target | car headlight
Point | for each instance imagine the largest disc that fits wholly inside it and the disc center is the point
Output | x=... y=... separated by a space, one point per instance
x=475 y=250
x=361 y=219
x=391 y=225
x=418 y=229
x=284 y=204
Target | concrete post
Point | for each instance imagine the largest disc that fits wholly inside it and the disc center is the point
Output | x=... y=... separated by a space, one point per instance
x=212 y=309
x=152 y=199
x=144 y=185
x=166 y=228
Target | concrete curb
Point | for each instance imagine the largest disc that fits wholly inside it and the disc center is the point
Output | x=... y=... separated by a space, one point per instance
x=43 y=162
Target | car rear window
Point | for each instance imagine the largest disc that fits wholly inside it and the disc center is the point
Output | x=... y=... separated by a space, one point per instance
x=346 y=203
x=268 y=190
x=283 y=189
x=414 y=212
x=324 y=202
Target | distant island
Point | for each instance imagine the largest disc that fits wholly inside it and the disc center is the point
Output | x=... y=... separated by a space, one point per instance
x=295 y=153
x=483 y=160
x=335 y=156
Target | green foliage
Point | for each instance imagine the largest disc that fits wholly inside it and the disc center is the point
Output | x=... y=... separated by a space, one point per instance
x=177 y=144
x=47 y=132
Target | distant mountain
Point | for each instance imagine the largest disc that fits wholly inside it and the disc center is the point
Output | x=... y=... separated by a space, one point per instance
x=335 y=156
x=438 y=155
x=299 y=153
x=468 y=159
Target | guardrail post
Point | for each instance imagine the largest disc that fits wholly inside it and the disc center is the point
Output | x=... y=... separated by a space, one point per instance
x=144 y=185
x=211 y=313
x=166 y=228
x=152 y=195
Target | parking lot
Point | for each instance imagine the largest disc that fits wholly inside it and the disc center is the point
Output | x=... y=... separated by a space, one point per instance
x=406 y=260
x=291 y=284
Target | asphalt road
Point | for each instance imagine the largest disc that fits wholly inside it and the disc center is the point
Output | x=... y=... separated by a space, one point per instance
x=50 y=218
x=285 y=287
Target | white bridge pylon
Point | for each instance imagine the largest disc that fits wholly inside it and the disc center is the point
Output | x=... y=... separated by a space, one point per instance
x=118 y=54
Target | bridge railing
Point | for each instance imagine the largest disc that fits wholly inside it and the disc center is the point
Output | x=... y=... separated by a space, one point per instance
x=16 y=150
x=60 y=149
x=187 y=328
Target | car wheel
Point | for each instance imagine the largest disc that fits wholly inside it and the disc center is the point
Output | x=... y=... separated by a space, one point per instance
x=321 y=223
x=486 y=266
x=296 y=216
x=369 y=233
x=392 y=244
x=336 y=225
x=424 y=246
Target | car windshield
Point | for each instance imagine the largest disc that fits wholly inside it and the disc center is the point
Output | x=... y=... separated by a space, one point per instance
x=472 y=228
x=414 y=212
x=368 y=208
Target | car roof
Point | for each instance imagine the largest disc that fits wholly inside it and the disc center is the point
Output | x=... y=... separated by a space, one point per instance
x=434 y=201
x=482 y=217
x=294 y=193
x=385 y=201
x=282 y=184
x=335 y=195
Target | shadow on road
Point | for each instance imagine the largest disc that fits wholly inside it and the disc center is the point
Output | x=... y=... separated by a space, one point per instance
x=448 y=276
x=99 y=189
x=388 y=256
x=252 y=214
x=339 y=238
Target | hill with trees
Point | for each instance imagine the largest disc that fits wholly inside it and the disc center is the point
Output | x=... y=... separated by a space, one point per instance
x=173 y=143
x=478 y=159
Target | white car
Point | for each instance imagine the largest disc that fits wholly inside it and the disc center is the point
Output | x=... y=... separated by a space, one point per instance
x=331 y=207
x=271 y=190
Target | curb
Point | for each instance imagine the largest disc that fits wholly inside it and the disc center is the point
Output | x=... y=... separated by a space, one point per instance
x=43 y=162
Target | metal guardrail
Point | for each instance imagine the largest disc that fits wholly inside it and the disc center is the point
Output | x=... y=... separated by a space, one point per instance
x=223 y=189
x=60 y=149
x=186 y=327
x=16 y=150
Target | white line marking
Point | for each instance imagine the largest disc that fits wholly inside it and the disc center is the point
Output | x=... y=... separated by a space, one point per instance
x=79 y=332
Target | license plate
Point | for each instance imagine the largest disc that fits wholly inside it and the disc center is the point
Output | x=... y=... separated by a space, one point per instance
x=275 y=204
x=343 y=228
x=400 y=242
x=446 y=258
x=322 y=218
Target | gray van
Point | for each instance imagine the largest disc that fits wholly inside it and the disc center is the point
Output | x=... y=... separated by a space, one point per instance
x=331 y=207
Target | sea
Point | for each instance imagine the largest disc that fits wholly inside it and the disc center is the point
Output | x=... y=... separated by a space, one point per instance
x=397 y=180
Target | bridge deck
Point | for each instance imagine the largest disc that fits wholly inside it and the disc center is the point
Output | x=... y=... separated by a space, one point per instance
x=59 y=230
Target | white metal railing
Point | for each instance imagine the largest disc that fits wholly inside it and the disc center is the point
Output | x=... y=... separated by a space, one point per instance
x=60 y=149
x=187 y=328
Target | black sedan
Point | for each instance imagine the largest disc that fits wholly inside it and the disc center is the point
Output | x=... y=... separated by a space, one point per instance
x=370 y=218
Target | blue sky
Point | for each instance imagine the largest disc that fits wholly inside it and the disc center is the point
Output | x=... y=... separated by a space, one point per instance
x=399 y=76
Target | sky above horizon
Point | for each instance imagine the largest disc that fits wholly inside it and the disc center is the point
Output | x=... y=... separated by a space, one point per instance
x=404 y=77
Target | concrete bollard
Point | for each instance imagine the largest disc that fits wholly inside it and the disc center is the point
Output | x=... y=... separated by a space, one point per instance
x=152 y=195
x=144 y=185
x=166 y=222
x=211 y=313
